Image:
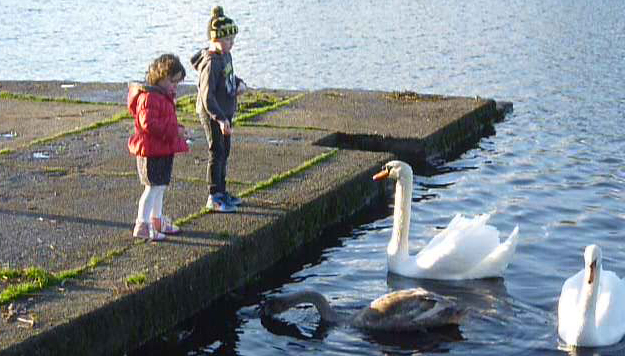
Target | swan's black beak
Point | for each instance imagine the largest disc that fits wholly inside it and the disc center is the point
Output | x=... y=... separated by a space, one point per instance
x=383 y=174
x=593 y=268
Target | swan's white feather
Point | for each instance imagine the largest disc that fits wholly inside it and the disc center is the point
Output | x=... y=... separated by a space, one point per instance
x=467 y=248
x=608 y=326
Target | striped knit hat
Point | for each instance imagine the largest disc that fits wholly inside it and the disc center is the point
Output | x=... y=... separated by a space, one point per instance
x=221 y=26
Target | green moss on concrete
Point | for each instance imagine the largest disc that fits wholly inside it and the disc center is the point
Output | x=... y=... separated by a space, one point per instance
x=242 y=117
x=116 y=174
x=7 y=274
x=250 y=104
x=59 y=171
x=21 y=283
x=29 y=97
x=186 y=104
x=264 y=184
x=252 y=100
x=96 y=125
x=136 y=279
x=410 y=96
x=282 y=176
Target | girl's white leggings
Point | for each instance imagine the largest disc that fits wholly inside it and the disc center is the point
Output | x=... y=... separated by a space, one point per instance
x=151 y=203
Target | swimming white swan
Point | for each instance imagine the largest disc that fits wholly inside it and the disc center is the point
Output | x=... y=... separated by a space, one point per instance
x=591 y=309
x=402 y=311
x=466 y=249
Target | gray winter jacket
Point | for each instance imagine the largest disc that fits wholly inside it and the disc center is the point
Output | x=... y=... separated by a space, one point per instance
x=217 y=85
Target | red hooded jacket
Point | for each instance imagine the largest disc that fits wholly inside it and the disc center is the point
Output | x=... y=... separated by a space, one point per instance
x=156 y=123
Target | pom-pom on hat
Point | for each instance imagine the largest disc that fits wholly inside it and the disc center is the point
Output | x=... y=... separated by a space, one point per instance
x=221 y=26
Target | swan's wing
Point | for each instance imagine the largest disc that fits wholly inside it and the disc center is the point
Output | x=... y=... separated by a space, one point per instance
x=408 y=310
x=458 y=248
x=610 y=312
x=567 y=303
x=459 y=222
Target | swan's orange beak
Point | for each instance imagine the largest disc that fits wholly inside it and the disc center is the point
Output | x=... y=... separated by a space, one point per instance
x=380 y=176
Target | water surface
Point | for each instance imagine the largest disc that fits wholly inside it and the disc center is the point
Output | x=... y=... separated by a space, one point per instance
x=555 y=167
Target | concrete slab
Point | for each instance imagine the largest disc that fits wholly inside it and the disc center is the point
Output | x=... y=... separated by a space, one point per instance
x=373 y=112
x=74 y=198
x=27 y=121
x=90 y=92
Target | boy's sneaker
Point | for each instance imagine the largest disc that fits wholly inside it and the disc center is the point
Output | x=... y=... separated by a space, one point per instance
x=219 y=202
x=232 y=200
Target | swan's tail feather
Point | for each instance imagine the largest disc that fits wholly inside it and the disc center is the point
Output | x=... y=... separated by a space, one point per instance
x=503 y=254
x=458 y=223
x=497 y=261
x=482 y=219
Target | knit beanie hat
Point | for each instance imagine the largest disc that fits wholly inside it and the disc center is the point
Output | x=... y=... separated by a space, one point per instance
x=221 y=26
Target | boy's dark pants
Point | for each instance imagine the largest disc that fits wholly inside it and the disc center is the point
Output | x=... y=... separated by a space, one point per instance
x=218 y=152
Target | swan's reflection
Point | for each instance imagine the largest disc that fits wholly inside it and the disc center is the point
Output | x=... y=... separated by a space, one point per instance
x=493 y=314
x=432 y=340
x=280 y=327
x=613 y=350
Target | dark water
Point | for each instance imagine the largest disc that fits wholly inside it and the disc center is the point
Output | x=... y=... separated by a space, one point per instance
x=556 y=166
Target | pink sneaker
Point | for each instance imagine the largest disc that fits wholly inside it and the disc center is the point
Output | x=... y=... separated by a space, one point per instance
x=164 y=225
x=147 y=232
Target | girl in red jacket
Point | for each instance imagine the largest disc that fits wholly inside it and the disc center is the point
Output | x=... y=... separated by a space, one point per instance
x=158 y=136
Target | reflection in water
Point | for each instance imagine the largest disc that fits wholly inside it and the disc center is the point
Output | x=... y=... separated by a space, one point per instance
x=613 y=350
x=431 y=340
x=555 y=166
x=281 y=327
x=211 y=332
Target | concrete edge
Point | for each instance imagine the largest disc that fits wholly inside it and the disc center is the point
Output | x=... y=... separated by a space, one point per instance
x=133 y=319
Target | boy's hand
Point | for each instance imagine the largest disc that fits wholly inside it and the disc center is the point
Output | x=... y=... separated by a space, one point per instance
x=225 y=128
x=241 y=88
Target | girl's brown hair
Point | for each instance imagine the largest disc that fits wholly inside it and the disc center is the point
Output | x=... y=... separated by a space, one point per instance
x=167 y=65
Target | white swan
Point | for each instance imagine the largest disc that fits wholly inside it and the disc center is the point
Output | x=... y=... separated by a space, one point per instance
x=407 y=310
x=591 y=309
x=466 y=249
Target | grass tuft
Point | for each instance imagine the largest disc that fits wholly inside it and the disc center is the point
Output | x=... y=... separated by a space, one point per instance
x=22 y=283
x=136 y=279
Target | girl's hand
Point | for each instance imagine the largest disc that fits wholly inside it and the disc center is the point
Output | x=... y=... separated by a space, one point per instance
x=226 y=130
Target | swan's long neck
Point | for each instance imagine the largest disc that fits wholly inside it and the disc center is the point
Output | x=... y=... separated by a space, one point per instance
x=317 y=299
x=398 y=246
x=588 y=304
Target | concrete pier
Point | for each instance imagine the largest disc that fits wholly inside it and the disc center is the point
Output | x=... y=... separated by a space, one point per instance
x=69 y=192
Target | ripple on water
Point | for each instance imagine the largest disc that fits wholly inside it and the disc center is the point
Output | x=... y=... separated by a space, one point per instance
x=555 y=166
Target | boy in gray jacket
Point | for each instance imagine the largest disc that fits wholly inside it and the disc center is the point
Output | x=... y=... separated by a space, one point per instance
x=216 y=104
